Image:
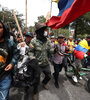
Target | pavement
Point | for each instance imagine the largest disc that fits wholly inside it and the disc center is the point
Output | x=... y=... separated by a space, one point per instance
x=67 y=90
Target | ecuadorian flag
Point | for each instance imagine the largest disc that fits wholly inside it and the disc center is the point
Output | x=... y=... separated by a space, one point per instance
x=81 y=49
x=69 y=10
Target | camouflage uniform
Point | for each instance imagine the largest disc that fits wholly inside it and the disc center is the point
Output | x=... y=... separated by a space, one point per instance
x=39 y=50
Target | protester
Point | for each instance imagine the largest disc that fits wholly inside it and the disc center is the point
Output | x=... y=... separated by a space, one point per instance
x=22 y=46
x=80 y=53
x=52 y=41
x=32 y=72
x=39 y=49
x=58 y=58
x=26 y=75
x=28 y=38
x=8 y=58
x=71 y=45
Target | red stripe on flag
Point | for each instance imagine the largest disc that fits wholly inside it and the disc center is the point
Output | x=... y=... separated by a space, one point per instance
x=79 y=54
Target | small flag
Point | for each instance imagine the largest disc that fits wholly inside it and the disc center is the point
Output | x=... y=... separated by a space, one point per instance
x=81 y=49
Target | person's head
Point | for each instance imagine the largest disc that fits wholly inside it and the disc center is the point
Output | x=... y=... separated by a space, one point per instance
x=61 y=39
x=28 y=37
x=52 y=38
x=76 y=41
x=70 y=38
x=41 y=29
x=4 y=32
x=88 y=39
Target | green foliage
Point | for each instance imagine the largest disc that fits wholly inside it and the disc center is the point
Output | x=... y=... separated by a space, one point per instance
x=40 y=19
x=65 y=32
x=7 y=17
x=31 y=29
x=82 y=24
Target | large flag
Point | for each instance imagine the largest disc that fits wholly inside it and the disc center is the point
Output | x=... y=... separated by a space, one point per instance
x=69 y=10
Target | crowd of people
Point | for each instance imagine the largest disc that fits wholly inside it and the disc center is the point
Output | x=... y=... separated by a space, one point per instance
x=26 y=60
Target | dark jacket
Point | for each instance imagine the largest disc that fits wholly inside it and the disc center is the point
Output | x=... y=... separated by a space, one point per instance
x=12 y=52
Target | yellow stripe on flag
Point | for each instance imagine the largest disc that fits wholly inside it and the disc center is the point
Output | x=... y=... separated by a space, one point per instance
x=55 y=1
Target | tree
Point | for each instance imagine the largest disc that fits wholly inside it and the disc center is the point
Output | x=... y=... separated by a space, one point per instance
x=31 y=29
x=64 y=31
x=7 y=17
x=39 y=19
x=82 y=25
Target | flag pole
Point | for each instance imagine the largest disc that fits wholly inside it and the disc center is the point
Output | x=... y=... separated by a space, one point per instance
x=16 y=20
x=50 y=15
x=51 y=9
x=26 y=15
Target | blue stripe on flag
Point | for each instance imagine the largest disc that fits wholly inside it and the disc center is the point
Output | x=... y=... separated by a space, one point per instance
x=63 y=5
x=80 y=48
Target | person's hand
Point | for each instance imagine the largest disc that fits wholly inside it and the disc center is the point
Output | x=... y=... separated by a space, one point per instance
x=9 y=67
x=85 y=55
x=60 y=54
x=55 y=50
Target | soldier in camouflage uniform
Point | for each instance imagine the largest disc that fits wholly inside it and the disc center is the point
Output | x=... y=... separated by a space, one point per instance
x=39 y=50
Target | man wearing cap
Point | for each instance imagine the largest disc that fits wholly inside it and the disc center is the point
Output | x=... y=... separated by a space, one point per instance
x=58 y=58
x=38 y=52
x=28 y=38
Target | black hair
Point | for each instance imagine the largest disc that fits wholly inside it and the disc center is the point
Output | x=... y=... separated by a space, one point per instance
x=5 y=30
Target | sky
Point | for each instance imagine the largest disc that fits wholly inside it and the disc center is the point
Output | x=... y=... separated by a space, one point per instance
x=35 y=8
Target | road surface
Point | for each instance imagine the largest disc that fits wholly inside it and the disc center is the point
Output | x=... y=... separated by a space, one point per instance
x=67 y=90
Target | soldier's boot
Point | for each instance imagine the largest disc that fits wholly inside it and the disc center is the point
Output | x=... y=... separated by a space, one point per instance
x=35 y=96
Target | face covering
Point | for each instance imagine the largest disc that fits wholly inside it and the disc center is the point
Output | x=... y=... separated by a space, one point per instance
x=45 y=33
